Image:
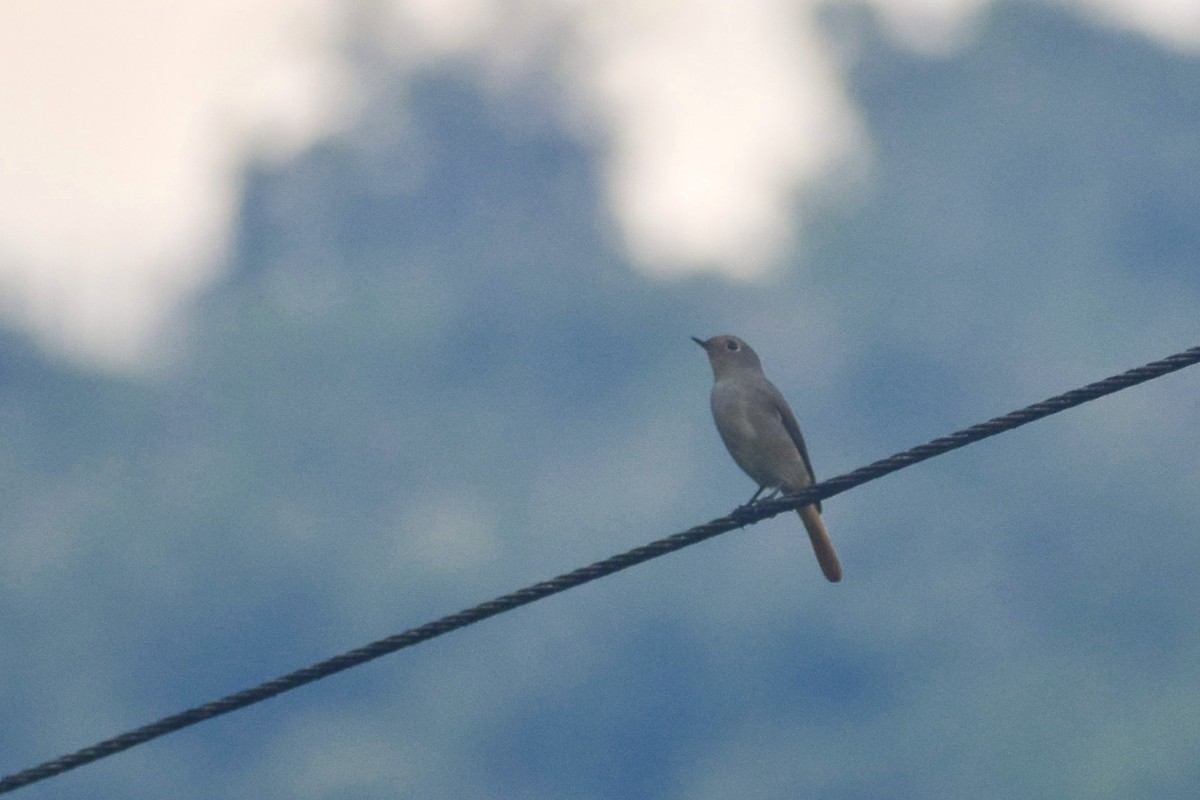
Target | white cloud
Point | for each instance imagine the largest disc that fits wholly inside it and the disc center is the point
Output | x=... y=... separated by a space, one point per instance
x=1174 y=22
x=930 y=26
x=717 y=113
x=123 y=128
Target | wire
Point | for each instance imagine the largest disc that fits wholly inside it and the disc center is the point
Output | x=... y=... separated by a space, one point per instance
x=740 y=517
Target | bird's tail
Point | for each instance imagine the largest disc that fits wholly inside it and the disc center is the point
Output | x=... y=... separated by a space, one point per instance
x=821 y=543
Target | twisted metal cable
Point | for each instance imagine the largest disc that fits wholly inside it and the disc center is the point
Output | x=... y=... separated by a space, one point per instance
x=740 y=517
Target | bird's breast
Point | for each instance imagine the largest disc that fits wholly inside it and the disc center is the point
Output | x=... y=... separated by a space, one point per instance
x=753 y=434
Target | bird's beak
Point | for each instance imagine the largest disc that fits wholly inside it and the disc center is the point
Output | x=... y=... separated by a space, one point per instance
x=700 y=342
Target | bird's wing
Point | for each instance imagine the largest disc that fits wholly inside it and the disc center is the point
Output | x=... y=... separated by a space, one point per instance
x=793 y=429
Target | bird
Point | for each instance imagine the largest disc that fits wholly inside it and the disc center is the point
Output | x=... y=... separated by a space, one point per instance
x=761 y=433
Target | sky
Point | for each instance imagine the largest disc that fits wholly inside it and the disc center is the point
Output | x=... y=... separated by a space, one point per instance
x=323 y=321
x=709 y=120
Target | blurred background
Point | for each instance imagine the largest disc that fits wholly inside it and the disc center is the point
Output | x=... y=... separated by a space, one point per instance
x=321 y=319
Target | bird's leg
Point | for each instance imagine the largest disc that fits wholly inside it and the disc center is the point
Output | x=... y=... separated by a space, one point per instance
x=773 y=494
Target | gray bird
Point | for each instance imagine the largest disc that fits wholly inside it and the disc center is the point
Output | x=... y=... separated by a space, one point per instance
x=761 y=434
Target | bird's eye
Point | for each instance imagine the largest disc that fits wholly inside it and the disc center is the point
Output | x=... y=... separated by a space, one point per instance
x=731 y=345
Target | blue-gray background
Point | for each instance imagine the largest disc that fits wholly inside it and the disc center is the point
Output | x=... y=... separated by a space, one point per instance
x=406 y=397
